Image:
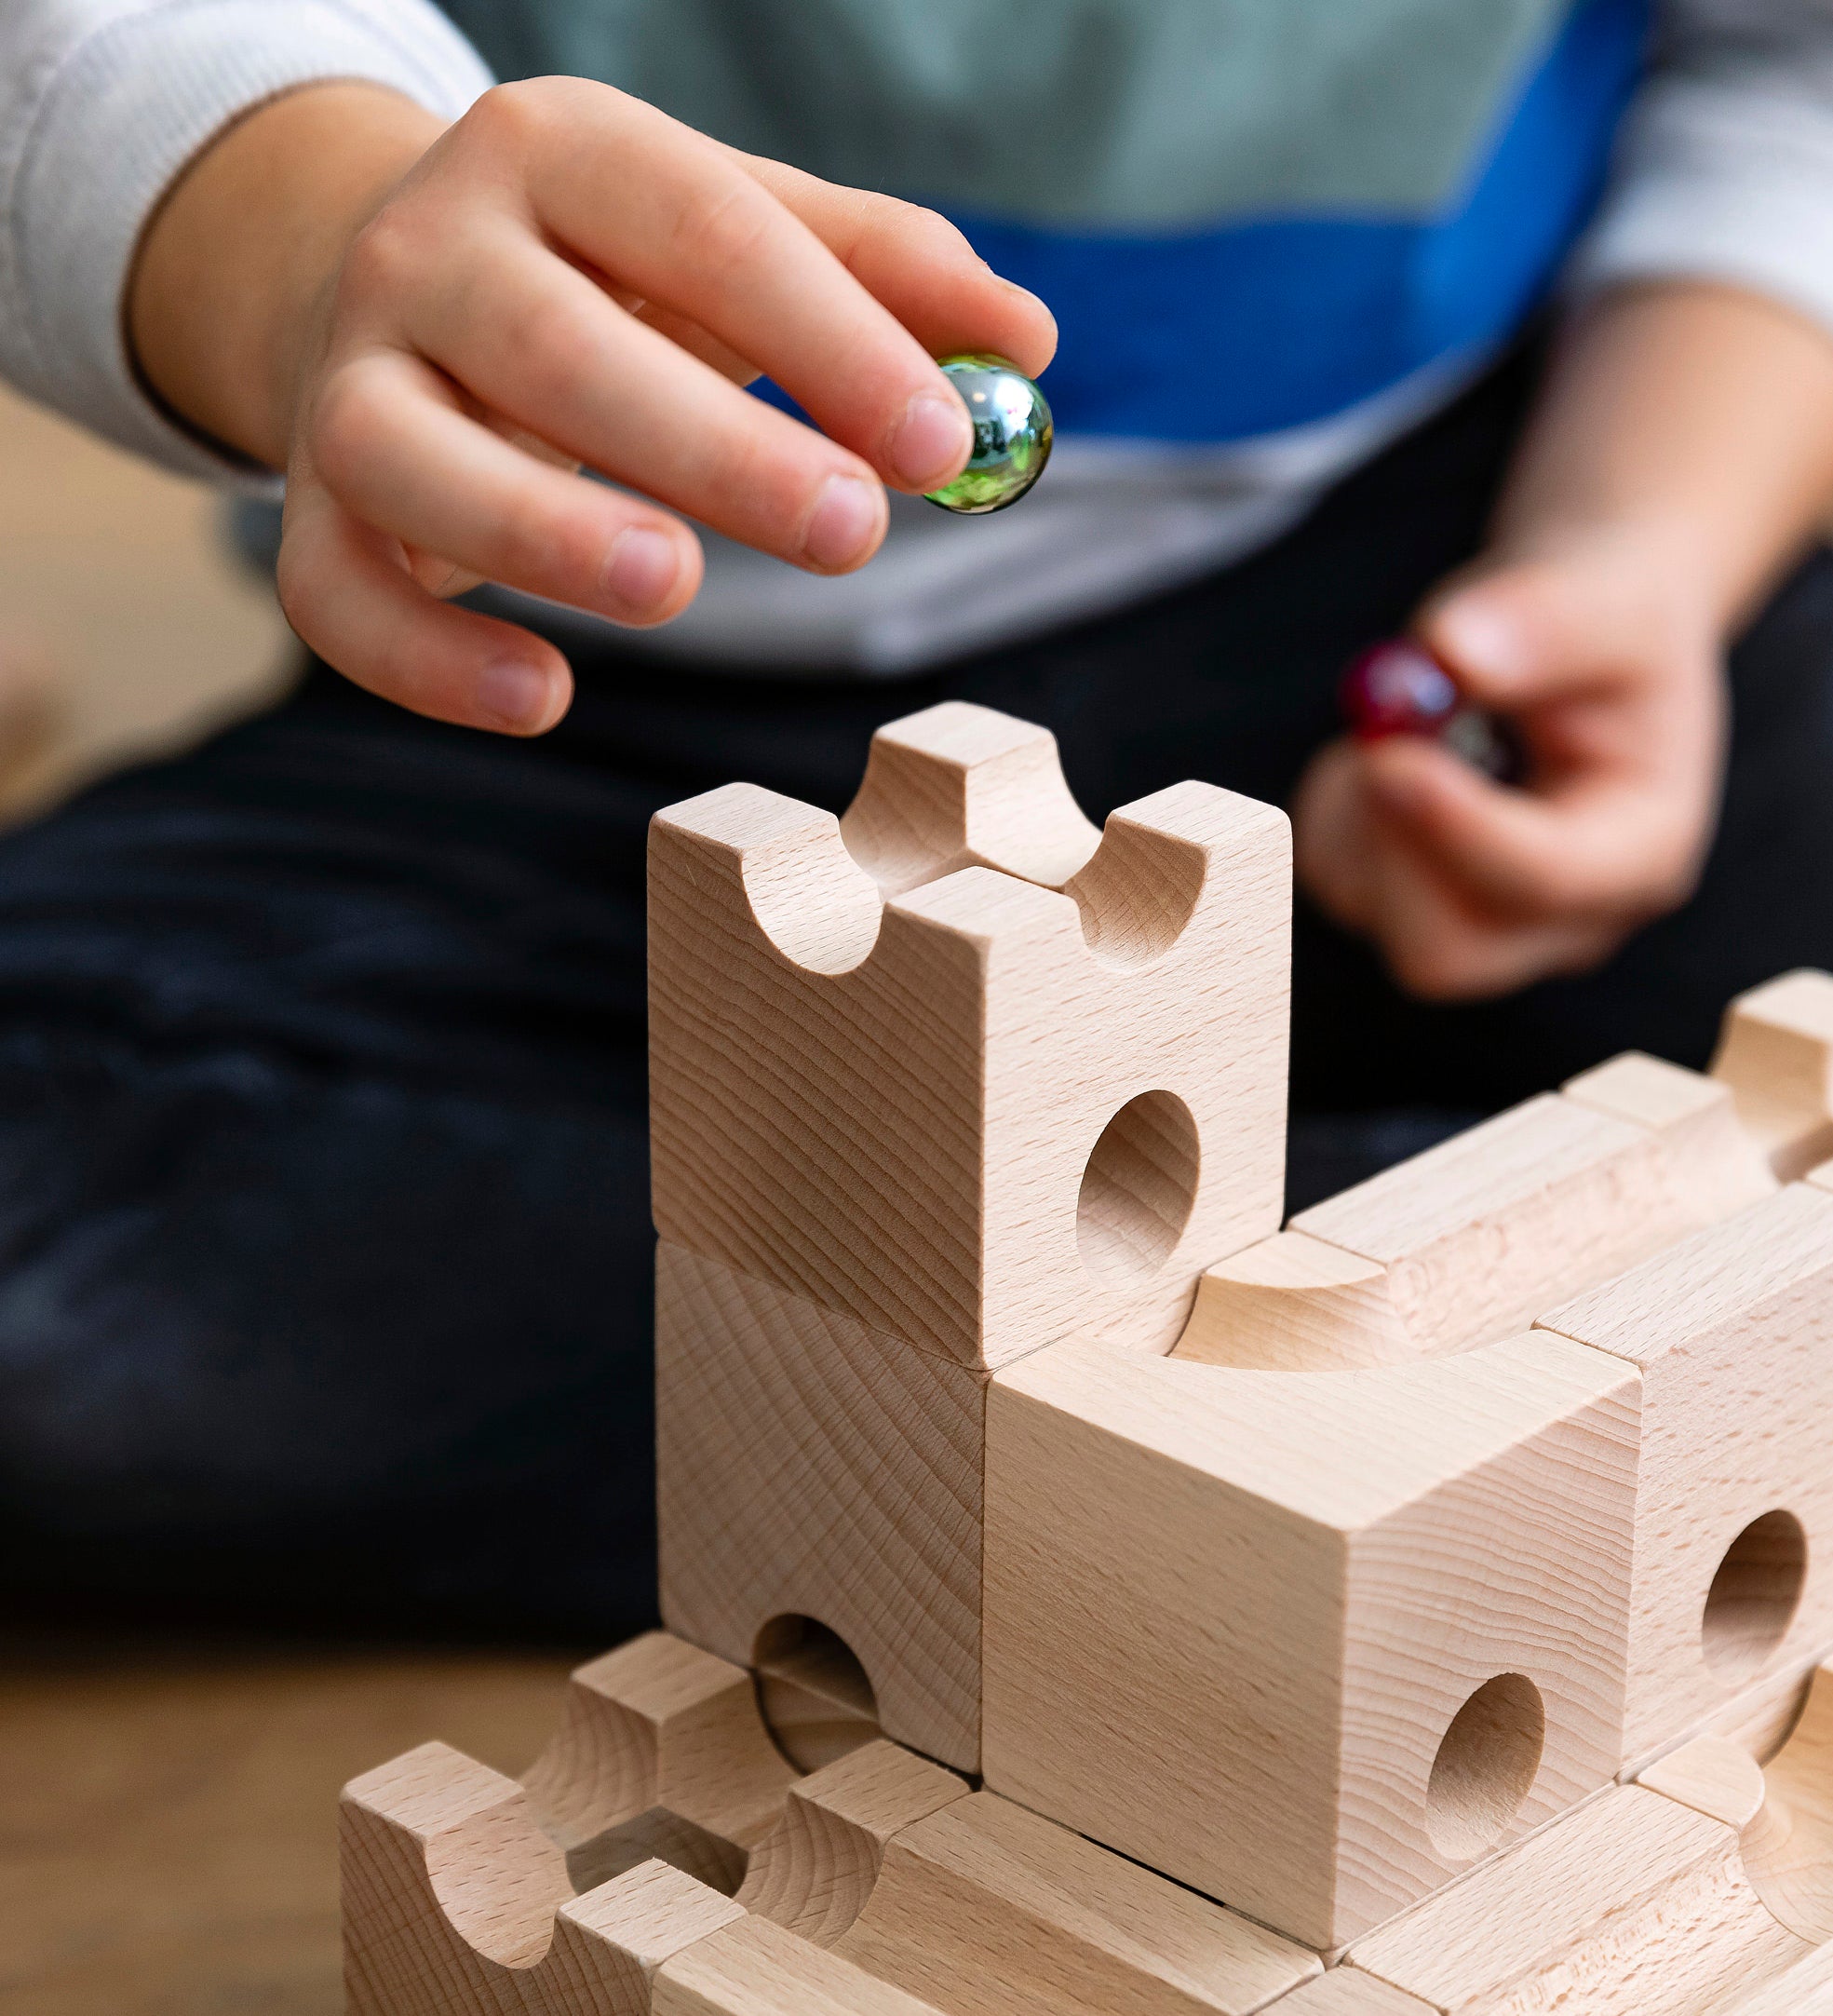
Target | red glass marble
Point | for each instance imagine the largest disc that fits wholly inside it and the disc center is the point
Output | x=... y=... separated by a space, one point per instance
x=1398 y=687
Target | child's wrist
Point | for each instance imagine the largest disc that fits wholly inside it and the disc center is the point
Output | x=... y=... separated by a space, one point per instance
x=234 y=267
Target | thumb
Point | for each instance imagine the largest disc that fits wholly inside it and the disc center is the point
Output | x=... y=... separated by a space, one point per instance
x=1519 y=636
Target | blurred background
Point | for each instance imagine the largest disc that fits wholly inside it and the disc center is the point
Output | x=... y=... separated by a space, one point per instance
x=169 y=1810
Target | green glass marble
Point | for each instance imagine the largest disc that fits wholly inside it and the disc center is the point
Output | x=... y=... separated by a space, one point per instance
x=1011 y=435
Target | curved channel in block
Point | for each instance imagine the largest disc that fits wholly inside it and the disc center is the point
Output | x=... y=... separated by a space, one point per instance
x=960 y=786
x=1788 y=1845
x=456 y=1903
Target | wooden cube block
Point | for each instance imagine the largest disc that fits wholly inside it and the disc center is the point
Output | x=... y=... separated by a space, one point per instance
x=1732 y=1331
x=1310 y=1642
x=983 y=1114
x=809 y=1467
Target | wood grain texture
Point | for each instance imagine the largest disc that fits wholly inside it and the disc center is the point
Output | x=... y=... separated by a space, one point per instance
x=889 y=1107
x=757 y=1969
x=1805 y=1989
x=1346 y=1991
x=809 y=1467
x=1732 y=1331
x=1230 y=1616
x=1776 y=1054
x=985 y=1910
x=661 y=1751
x=1482 y=1233
x=1633 y=1905
x=814 y=1872
x=455 y=1904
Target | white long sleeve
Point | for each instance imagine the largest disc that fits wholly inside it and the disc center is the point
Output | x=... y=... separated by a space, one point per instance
x=101 y=104
x=1724 y=167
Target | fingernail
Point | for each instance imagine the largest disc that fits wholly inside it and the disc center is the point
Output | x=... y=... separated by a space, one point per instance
x=515 y=693
x=932 y=442
x=845 y=523
x=642 y=568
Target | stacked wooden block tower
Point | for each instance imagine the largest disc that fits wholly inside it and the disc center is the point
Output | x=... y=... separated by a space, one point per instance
x=1085 y=1596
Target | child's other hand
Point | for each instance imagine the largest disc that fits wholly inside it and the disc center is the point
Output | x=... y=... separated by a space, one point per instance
x=1609 y=671
x=564 y=277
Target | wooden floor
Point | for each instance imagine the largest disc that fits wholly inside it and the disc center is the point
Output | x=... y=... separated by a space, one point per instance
x=115 y=579
x=167 y=1820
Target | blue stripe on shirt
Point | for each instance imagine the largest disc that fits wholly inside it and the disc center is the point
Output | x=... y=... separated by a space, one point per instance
x=1225 y=334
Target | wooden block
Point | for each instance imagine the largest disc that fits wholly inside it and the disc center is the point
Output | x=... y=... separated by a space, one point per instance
x=1712 y=1153
x=1732 y=1331
x=1712 y=1775
x=982 y=1114
x=985 y=1910
x=1634 y=1905
x=455 y=1904
x=808 y=1467
x=814 y=1875
x=1805 y=1989
x=1483 y=1232
x=1776 y=1054
x=1308 y=1641
x=661 y=1751
x=757 y=1969
x=1346 y=1991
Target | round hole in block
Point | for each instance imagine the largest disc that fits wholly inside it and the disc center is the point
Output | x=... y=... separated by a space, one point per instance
x=1754 y=1596
x=1486 y=1766
x=813 y=1693
x=1137 y=1188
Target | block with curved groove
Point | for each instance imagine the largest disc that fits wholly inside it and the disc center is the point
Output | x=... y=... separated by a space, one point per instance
x=814 y=1872
x=1309 y=1641
x=661 y=1751
x=982 y=1114
x=1481 y=1233
x=1732 y=1331
x=455 y=1904
x=1788 y=1841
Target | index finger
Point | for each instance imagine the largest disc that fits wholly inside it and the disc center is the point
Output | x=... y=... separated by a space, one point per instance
x=676 y=217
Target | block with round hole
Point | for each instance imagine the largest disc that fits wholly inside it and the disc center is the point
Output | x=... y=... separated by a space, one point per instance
x=1732 y=1331
x=956 y=1070
x=1310 y=1643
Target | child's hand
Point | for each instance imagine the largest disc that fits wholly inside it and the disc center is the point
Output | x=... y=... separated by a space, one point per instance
x=1610 y=675
x=1681 y=457
x=564 y=277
